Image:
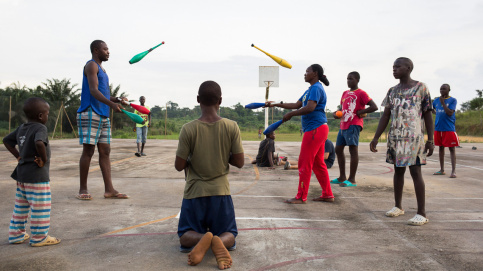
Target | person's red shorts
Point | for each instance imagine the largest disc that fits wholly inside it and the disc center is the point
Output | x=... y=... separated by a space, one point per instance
x=446 y=139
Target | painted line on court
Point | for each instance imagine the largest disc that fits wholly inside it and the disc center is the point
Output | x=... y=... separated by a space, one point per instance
x=306 y=259
x=288 y=219
x=361 y=253
x=257 y=173
x=112 y=163
x=139 y=225
x=281 y=229
x=458 y=165
x=391 y=169
x=254 y=196
x=172 y=216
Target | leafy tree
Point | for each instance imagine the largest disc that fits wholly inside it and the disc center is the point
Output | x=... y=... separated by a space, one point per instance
x=56 y=90
x=475 y=103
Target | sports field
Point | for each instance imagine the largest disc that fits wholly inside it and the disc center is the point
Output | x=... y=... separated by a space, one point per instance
x=350 y=234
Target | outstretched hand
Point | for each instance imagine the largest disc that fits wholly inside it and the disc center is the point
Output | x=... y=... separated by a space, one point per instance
x=373 y=145
x=268 y=104
x=428 y=148
x=39 y=161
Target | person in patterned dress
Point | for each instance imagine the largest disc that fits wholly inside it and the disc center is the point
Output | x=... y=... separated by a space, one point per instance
x=407 y=105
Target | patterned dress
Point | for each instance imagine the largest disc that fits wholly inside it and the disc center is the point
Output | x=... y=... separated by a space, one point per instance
x=405 y=141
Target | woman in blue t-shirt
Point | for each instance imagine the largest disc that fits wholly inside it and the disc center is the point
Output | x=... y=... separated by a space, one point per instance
x=311 y=106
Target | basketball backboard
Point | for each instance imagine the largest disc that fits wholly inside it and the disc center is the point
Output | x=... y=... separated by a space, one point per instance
x=268 y=76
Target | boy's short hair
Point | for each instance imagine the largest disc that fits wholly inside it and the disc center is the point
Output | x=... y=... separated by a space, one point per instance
x=209 y=93
x=408 y=61
x=95 y=44
x=356 y=75
x=33 y=107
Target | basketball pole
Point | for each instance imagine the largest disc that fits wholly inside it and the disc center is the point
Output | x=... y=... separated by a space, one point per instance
x=266 y=100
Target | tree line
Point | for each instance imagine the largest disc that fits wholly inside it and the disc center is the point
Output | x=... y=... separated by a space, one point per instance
x=63 y=92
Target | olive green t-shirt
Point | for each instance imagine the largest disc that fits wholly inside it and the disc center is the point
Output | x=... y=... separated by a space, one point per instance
x=207 y=147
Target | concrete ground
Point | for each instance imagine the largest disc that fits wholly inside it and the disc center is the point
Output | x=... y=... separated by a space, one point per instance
x=350 y=234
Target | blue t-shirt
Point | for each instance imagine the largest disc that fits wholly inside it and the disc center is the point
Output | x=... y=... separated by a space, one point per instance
x=87 y=100
x=445 y=123
x=317 y=117
x=329 y=147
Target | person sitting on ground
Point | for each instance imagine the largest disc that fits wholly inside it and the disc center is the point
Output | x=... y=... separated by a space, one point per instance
x=266 y=156
x=206 y=148
x=329 y=157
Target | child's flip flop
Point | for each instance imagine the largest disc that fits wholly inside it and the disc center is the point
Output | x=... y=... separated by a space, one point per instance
x=439 y=173
x=347 y=183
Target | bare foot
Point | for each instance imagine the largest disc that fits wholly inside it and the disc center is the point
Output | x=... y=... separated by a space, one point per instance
x=294 y=201
x=222 y=255
x=196 y=255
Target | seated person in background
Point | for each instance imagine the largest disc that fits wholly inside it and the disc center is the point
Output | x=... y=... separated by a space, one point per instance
x=329 y=157
x=266 y=153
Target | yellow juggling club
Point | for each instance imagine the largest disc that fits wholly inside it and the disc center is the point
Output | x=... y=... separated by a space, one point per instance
x=281 y=62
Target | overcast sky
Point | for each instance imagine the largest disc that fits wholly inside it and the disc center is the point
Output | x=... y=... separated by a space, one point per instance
x=210 y=40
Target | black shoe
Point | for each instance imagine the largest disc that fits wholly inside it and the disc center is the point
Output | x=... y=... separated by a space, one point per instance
x=137 y=154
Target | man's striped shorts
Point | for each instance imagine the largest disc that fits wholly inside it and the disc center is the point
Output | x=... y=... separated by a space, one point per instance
x=93 y=128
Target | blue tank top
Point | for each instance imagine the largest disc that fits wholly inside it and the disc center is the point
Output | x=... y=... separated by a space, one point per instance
x=87 y=100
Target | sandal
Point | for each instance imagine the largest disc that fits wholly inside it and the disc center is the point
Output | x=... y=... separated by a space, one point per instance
x=418 y=220
x=347 y=183
x=453 y=175
x=48 y=241
x=439 y=173
x=336 y=181
x=395 y=211
x=25 y=238
x=84 y=196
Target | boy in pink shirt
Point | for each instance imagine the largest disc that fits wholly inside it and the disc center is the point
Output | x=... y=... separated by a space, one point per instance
x=353 y=105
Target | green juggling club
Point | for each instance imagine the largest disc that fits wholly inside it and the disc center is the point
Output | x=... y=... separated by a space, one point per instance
x=140 y=56
x=136 y=118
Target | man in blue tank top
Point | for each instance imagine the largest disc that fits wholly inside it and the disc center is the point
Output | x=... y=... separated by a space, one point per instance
x=93 y=121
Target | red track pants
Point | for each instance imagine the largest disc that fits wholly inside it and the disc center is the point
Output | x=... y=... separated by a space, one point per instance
x=312 y=158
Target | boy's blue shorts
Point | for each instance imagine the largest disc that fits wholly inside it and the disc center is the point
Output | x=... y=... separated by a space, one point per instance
x=349 y=137
x=215 y=214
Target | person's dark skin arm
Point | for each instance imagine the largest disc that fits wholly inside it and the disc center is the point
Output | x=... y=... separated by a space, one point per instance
x=12 y=150
x=270 y=159
x=237 y=160
x=428 y=122
x=149 y=119
x=296 y=105
x=310 y=107
x=42 y=151
x=372 y=108
x=448 y=111
x=180 y=163
x=380 y=128
x=91 y=71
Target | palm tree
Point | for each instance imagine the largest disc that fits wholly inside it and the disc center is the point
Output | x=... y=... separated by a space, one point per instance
x=57 y=91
